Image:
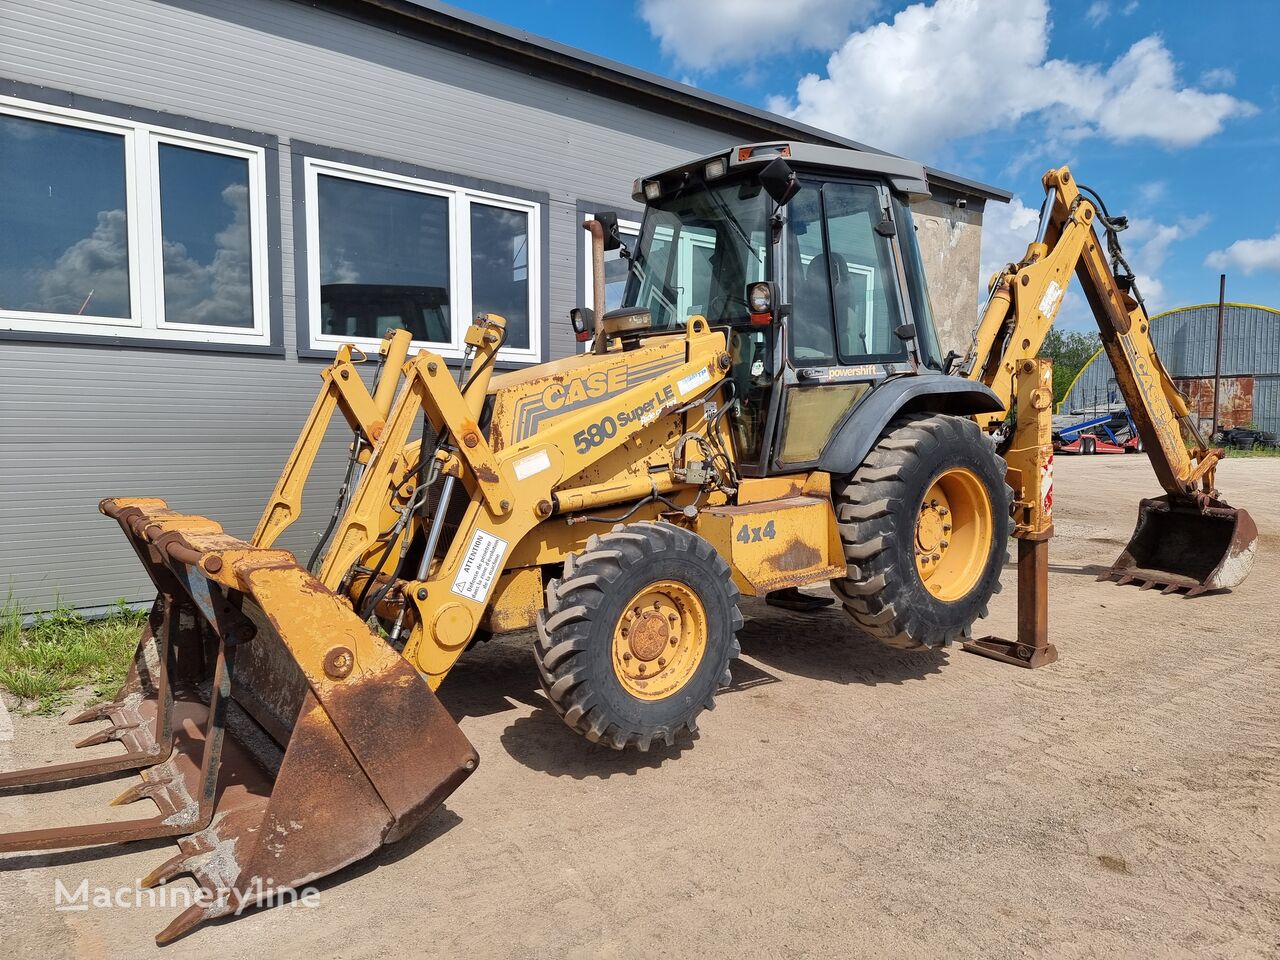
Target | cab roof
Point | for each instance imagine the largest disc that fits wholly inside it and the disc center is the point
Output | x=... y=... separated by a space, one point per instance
x=905 y=176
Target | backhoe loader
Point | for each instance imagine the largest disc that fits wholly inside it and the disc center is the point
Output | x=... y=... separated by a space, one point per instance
x=769 y=409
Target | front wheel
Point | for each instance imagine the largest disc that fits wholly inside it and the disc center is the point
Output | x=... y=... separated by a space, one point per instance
x=925 y=525
x=638 y=634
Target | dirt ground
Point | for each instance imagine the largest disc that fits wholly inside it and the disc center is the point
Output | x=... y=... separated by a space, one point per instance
x=841 y=801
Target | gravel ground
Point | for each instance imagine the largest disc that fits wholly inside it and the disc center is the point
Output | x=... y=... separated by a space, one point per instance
x=841 y=801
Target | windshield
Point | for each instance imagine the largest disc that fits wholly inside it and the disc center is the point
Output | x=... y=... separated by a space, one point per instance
x=697 y=252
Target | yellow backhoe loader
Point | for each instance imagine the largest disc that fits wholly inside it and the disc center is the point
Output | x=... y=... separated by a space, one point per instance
x=768 y=409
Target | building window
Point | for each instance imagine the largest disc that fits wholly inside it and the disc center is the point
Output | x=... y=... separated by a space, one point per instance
x=111 y=227
x=386 y=251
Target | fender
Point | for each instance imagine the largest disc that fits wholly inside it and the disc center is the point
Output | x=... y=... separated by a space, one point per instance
x=931 y=392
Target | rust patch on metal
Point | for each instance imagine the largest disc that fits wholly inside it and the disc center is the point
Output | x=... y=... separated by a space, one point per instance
x=338 y=663
x=1235 y=399
x=486 y=473
x=797 y=555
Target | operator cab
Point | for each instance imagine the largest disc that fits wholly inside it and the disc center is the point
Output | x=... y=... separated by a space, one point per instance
x=807 y=254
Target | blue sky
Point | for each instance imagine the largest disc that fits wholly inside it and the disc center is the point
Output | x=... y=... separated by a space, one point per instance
x=1169 y=108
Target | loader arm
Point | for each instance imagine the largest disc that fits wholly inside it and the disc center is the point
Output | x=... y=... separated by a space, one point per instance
x=509 y=491
x=1189 y=539
x=342 y=389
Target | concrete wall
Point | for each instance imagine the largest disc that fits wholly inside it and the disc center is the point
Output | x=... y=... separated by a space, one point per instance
x=950 y=241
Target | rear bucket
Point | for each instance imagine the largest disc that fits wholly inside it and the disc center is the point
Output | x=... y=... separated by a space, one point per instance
x=1181 y=546
x=243 y=641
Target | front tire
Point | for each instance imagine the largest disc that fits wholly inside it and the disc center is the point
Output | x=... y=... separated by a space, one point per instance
x=637 y=635
x=925 y=524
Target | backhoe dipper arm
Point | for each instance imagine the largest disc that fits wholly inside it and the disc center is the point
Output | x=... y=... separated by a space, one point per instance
x=1024 y=300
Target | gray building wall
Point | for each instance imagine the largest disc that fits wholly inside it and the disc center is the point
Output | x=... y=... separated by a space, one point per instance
x=208 y=431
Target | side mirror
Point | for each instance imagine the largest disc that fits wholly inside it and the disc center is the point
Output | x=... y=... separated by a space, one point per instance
x=609 y=220
x=779 y=181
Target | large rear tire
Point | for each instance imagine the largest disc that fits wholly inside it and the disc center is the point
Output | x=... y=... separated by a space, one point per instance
x=925 y=524
x=638 y=634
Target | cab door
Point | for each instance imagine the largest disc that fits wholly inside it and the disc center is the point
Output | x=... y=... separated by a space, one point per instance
x=842 y=279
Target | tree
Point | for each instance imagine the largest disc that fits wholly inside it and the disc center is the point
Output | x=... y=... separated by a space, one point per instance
x=1069 y=350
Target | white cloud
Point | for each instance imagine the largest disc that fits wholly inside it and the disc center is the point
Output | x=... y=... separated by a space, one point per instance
x=1147 y=244
x=218 y=292
x=1219 y=78
x=1007 y=228
x=1153 y=191
x=958 y=68
x=1248 y=256
x=1098 y=11
x=92 y=273
x=704 y=34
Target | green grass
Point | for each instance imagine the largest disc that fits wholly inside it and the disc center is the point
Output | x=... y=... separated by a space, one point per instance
x=1234 y=453
x=61 y=650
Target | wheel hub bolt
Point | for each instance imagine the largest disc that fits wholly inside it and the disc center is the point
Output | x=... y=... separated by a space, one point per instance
x=626 y=656
x=671 y=617
x=640 y=668
x=674 y=640
x=943 y=511
x=945 y=544
x=662 y=662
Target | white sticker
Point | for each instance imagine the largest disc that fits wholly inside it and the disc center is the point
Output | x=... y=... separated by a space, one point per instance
x=693 y=381
x=1049 y=302
x=479 y=566
x=534 y=463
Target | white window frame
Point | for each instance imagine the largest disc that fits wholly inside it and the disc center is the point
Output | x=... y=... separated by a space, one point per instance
x=459 y=218
x=146 y=248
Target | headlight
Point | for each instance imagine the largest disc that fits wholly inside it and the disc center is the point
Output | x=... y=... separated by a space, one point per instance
x=716 y=169
x=759 y=298
x=652 y=190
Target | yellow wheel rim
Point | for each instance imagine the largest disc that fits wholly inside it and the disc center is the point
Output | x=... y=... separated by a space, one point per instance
x=953 y=534
x=660 y=640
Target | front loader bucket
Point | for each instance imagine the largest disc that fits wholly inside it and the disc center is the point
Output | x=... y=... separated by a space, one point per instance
x=1182 y=546
x=242 y=640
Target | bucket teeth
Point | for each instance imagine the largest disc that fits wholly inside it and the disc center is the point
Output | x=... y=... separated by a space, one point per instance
x=106 y=736
x=349 y=780
x=175 y=866
x=94 y=713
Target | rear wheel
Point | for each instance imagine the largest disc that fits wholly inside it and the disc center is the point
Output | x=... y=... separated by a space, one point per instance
x=638 y=634
x=925 y=525
x=1088 y=445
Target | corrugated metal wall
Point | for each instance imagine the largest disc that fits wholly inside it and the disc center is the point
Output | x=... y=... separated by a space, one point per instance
x=209 y=431
x=1186 y=341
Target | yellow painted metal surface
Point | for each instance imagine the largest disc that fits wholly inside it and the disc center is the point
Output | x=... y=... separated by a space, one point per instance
x=516 y=601
x=1030 y=454
x=774 y=544
x=660 y=640
x=953 y=534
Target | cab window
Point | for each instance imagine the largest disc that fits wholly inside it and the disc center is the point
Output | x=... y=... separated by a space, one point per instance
x=842 y=277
